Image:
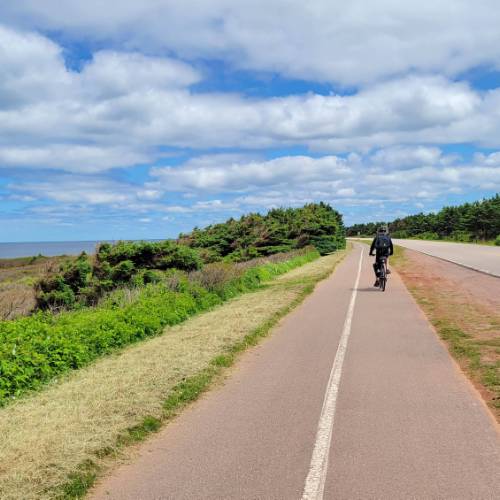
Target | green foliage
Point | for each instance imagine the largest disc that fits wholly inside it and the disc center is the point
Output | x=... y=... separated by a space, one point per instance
x=33 y=350
x=82 y=282
x=123 y=272
x=280 y=230
x=497 y=241
x=428 y=235
x=327 y=244
x=468 y=222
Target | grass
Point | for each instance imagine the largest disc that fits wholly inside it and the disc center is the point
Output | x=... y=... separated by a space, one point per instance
x=57 y=442
x=36 y=349
x=470 y=330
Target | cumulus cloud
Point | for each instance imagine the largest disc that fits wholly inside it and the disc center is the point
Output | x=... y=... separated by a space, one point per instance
x=134 y=103
x=427 y=173
x=201 y=174
x=71 y=158
x=347 y=42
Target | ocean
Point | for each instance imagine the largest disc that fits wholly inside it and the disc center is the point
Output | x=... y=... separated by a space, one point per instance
x=47 y=248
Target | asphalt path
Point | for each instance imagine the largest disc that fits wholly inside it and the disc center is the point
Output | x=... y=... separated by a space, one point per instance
x=352 y=397
x=479 y=257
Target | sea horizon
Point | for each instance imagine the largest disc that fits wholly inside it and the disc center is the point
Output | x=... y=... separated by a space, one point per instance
x=16 y=249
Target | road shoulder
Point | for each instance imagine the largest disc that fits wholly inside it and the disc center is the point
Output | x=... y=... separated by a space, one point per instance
x=464 y=308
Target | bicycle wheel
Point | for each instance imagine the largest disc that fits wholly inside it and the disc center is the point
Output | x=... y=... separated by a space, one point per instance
x=383 y=276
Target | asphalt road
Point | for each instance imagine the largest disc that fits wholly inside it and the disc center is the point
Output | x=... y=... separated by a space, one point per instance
x=352 y=397
x=480 y=257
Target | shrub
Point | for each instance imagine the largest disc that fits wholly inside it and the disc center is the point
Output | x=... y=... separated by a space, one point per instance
x=55 y=299
x=180 y=257
x=123 y=272
x=428 y=235
x=497 y=241
x=461 y=236
x=325 y=244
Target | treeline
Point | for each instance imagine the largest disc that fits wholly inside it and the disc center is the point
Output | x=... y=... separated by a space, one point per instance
x=468 y=222
x=86 y=280
x=280 y=230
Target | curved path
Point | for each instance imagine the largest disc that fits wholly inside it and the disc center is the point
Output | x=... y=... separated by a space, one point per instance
x=329 y=408
x=479 y=257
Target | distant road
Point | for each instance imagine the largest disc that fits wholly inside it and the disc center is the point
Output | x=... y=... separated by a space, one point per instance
x=479 y=257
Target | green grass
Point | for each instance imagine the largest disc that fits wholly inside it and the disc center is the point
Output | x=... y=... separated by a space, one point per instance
x=189 y=389
x=36 y=349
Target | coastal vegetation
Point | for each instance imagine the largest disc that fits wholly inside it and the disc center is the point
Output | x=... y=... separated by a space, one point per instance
x=469 y=222
x=280 y=230
x=84 y=281
x=94 y=305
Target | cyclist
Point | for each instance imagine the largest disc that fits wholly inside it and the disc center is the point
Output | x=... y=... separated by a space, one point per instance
x=382 y=244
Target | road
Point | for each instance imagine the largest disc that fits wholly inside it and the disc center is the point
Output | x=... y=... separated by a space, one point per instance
x=480 y=257
x=352 y=397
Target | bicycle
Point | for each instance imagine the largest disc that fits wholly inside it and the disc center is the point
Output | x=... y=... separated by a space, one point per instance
x=383 y=274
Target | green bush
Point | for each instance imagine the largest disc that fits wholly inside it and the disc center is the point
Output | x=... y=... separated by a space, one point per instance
x=461 y=236
x=497 y=241
x=325 y=244
x=428 y=235
x=180 y=257
x=123 y=272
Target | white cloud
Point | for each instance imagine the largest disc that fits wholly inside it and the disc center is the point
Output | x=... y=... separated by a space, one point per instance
x=72 y=158
x=348 y=42
x=111 y=74
x=204 y=175
x=77 y=190
x=132 y=102
x=427 y=173
x=405 y=156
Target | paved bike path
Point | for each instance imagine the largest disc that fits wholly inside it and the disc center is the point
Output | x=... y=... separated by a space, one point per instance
x=407 y=424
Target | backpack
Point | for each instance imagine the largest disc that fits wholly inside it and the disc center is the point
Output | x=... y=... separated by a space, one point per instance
x=383 y=242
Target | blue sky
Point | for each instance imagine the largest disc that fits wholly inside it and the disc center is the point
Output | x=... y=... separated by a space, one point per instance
x=148 y=120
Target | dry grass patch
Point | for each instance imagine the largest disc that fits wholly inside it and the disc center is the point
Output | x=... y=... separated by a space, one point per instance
x=17 y=276
x=47 y=436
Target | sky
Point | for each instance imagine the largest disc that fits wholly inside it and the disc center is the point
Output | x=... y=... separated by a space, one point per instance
x=149 y=118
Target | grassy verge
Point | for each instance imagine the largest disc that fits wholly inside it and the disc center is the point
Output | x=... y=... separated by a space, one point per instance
x=36 y=349
x=470 y=330
x=56 y=442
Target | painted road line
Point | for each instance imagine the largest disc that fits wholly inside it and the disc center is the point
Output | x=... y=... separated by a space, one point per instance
x=315 y=481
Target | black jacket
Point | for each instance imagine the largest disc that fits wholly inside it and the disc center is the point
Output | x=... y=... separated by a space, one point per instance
x=382 y=252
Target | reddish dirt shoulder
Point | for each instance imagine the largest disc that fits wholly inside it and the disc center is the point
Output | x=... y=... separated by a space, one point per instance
x=464 y=306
